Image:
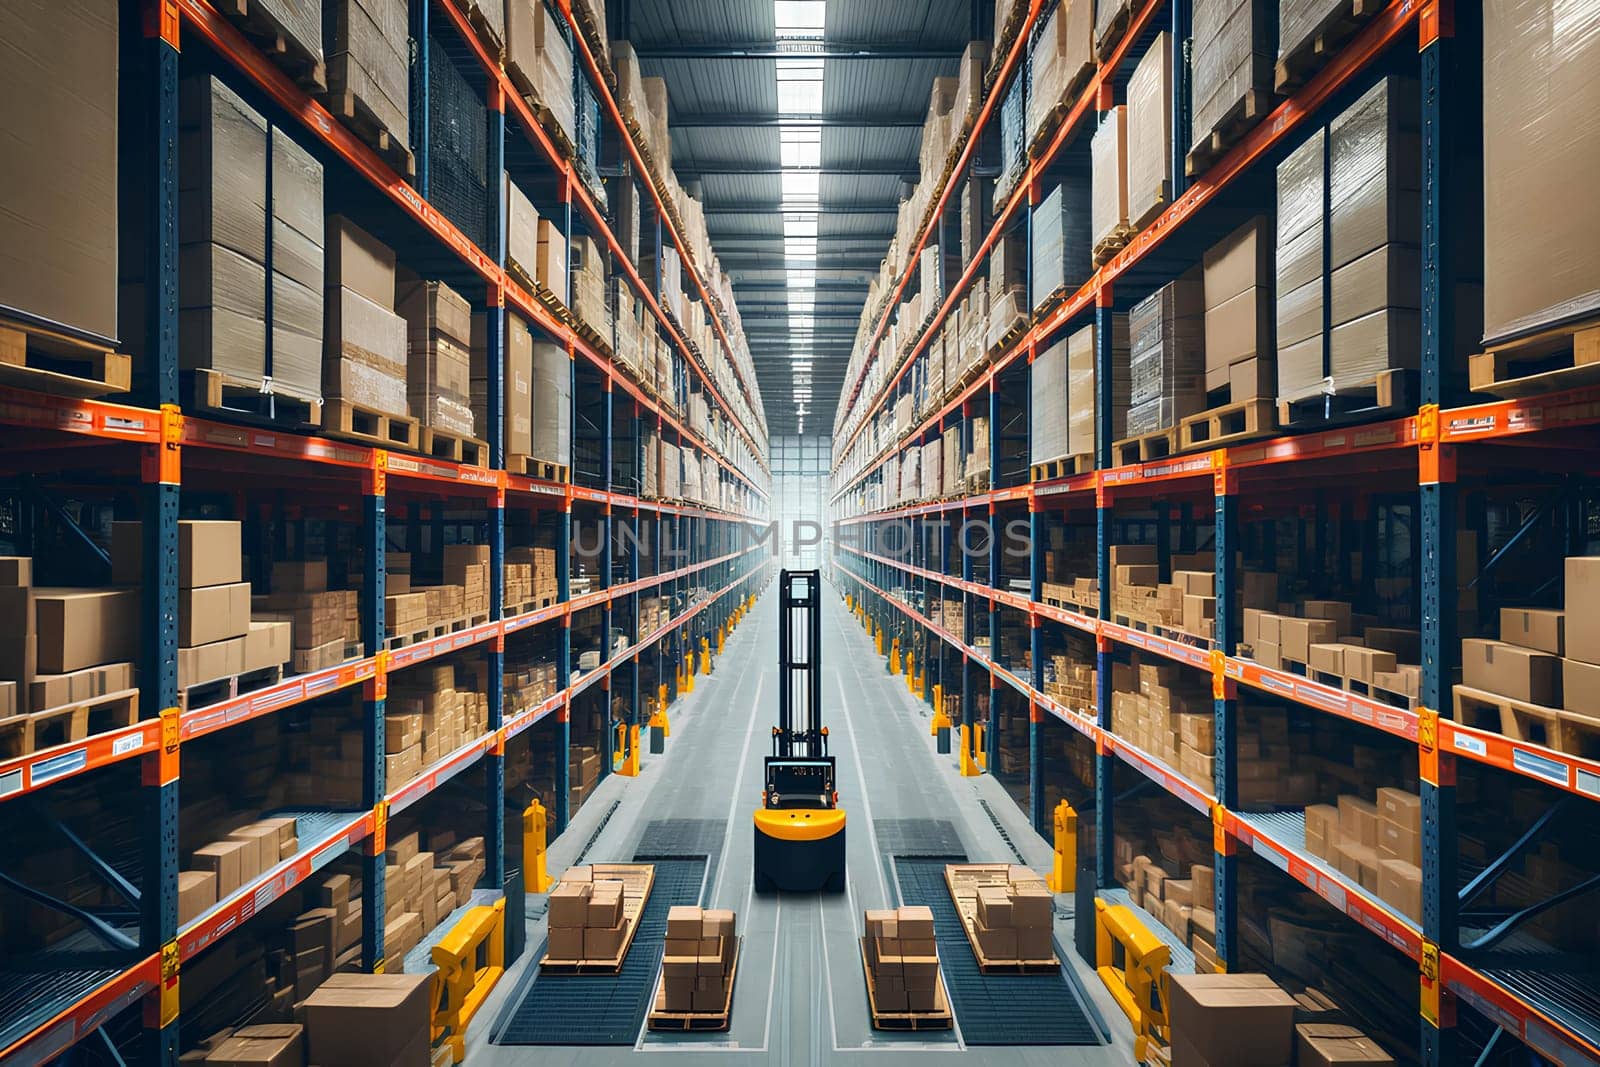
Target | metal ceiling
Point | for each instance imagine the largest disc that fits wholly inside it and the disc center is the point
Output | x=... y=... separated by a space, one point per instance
x=720 y=62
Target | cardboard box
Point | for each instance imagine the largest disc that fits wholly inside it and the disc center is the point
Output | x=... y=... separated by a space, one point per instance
x=1362 y=664
x=1535 y=628
x=1357 y=862
x=1400 y=807
x=1511 y=671
x=207 y=663
x=369 y=1018
x=78 y=628
x=354 y=259
x=1580 y=687
x=224 y=860
x=605 y=905
x=569 y=905
x=1358 y=820
x=1399 y=842
x=994 y=907
x=262 y=1045
x=1322 y=828
x=915 y=922
x=1335 y=1045
x=1298 y=635
x=16 y=571
x=1242 y=1020
x=213 y=613
x=208 y=553
x=1581 y=629
x=602 y=943
x=1400 y=886
x=197 y=893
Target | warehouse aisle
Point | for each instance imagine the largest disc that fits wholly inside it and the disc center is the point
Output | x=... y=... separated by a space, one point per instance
x=799 y=997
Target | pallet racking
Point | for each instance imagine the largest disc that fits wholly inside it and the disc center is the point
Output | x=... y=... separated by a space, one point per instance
x=703 y=562
x=896 y=562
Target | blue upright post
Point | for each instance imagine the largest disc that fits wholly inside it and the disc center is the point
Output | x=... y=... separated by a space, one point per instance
x=494 y=785
x=1226 y=708
x=564 y=669
x=1180 y=27
x=608 y=751
x=159 y=494
x=1036 y=719
x=374 y=694
x=1105 y=766
x=421 y=101
x=1444 y=73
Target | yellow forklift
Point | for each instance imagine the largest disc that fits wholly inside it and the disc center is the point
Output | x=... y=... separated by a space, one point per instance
x=800 y=826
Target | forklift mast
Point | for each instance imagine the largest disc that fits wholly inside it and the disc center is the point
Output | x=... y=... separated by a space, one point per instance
x=800 y=733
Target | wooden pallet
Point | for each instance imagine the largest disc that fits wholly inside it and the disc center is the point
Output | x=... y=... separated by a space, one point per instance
x=963 y=880
x=23 y=735
x=1065 y=467
x=1146 y=448
x=1107 y=248
x=1243 y=420
x=544 y=470
x=258 y=23
x=1240 y=119
x=1563 y=357
x=328 y=654
x=1571 y=732
x=937 y=1019
x=346 y=106
x=443 y=444
x=1391 y=393
x=204 y=694
x=48 y=361
x=660 y=1018
x=368 y=425
x=492 y=41
x=240 y=398
x=637 y=880
x=1105 y=42
x=536 y=604
x=1311 y=55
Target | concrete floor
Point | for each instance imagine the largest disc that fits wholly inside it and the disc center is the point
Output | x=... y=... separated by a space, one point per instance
x=800 y=995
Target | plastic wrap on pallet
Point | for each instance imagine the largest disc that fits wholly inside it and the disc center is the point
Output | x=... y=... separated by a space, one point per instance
x=1299 y=21
x=551 y=402
x=1374 y=227
x=931 y=277
x=438 y=354
x=522 y=230
x=368 y=44
x=1048 y=429
x=1007 y=308
x=932 y=469
x=1108 y=207
x=294 y=356
x=364 y=355
x=630 y=84
x=1061 y=239
x=1150 y=132
x=1166 y=360
x=458 y=151
x=1302 y=190
x=586 y=118
x=1013 y=140
x=1239 y=304
x=589 y=302
x=952 y=463
x=969 y=84
x=1231 y=56
x=1541 y=141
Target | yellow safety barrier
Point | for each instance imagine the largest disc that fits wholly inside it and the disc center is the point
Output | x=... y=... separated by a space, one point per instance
x=911 y=669
x=980 y=749
x=535 y=834
x=705 y=655
x=471 y=959
x=1064 y=870
x=658 y=718
x=877 y=636
x=969 y=766
x=894 y=655
x=941 y=721
x=722 y=636
x=1132 y=962
x=627 y=762
x=688 y=673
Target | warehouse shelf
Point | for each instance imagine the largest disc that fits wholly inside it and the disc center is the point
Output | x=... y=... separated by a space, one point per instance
x=1270 y=134
x=35 y=771
x=221 y=36
x=1181 y=955
x=42 y=1018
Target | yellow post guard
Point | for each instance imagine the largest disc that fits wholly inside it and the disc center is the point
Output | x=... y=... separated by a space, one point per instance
x=1132 y=962
x=894 y=655
x=911 y=670
x=688 y=673
x=980 y=750
x=969 y=766
x=941 y=721
x=1064 y=871
x=705 y=655
x=628 y=746
x=535 y=832
x=471 y=959
x=658 y=717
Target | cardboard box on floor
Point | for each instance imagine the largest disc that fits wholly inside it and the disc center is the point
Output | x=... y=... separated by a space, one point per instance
x=1242 y=1020
x=369 y=1018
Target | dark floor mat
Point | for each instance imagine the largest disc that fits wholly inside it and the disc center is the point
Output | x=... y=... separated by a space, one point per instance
x=1036 y=1009
x=684 y=838
x=918 y=837
x=608 y=1009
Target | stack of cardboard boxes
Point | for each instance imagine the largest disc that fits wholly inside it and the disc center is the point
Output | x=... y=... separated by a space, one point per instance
x=1014 y=920
x=1166 y=710
x=1082 y=393
x=368 y=46
x=1302 y=194
x=1174 y=881
x=529 y=679
x=1108 y=211
x=539 y=60
x=1070 y=681
x=1377 y=845
x=1062 y=56
x=324 y=624
x=587 y=920
x=1331 y=642
x=697 y=968
x=583 y=771
x=535 y=574
x=1231 y=63
x=420 y=892
x=221 y=868
x=903 y=959
x=1238 y=272
x=364 y=357
x=438 y=354
x=217 y=637
x=1061 y=240
x=1166 y=356
x=61 y=647
x=1242 y=1020
x=1150 y=133
x=1008 y=289
x=589 y=301
x=431 y=713
x=371 y=1018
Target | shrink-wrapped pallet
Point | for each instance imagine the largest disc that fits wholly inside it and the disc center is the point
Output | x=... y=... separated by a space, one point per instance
x=1108 y=151
x=1049 y=428
x=1150 y=133
x=1061 y=239
x=1302 y=191
x=1166 y=356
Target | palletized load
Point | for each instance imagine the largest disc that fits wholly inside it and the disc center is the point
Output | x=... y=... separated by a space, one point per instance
x=1231 y=81
x=901 y=959
x=1166 y=356
x=698 y=967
